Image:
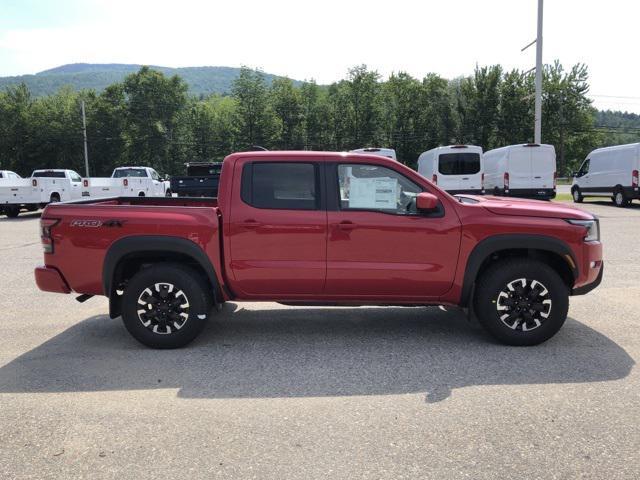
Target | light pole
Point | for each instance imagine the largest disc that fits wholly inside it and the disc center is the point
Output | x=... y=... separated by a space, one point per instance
x=537 y=122
x=84 y=133
x=537 y=130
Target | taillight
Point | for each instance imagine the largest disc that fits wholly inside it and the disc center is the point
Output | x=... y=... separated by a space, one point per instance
x=34 y=182
x=85 y=182
x=125 y=182
x=555 y=180
x=46 y=224
x=506 y=180
x=634 y=179
x=434 y=178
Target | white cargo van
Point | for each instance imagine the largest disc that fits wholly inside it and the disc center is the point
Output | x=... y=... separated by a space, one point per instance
x=383 y=152
x=609 y=172
x=127 y=182
x=44 y=186
x=455 y=168
x=524 y=170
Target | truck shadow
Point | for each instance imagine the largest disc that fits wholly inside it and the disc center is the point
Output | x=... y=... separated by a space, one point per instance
x=313 y=352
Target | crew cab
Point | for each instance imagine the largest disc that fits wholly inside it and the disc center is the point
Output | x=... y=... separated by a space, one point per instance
x=43 y=187
x=127 y=181
x=201 y=180
x=310 y=228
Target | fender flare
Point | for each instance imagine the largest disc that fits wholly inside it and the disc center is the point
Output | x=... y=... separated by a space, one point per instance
x=496 y=243
x=155 y=243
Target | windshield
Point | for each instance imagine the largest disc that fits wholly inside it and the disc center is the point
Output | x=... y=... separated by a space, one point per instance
x=459 y=163
x=196 y=170
x=129 y=172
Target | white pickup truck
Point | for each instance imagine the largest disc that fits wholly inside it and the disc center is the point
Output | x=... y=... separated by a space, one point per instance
x=43 y=187
x=127 y=182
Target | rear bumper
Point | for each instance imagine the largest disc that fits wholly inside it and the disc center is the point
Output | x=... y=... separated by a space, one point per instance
x=50 y=279
x=546 y=193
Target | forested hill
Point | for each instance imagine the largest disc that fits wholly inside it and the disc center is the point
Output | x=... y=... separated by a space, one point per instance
x=97 y=76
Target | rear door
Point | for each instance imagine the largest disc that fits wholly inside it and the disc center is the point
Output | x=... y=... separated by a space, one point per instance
x=543 y=167
x=519 y=168
x=277 y=229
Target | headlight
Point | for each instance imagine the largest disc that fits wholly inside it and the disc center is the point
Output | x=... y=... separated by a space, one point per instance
x=592 y=226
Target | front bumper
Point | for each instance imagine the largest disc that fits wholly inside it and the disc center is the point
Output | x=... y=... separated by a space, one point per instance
x=50 y=279
x=590 y=286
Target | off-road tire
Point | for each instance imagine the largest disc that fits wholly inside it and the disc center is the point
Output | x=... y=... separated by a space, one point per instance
x=194 y=291
x=496 y=280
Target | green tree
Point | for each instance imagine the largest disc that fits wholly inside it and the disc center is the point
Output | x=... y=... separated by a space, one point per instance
x=287 y=106
x=153 y=104
x=255 y=120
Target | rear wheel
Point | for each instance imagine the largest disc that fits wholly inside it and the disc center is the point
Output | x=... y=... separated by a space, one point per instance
x=619 y=199
x=577 y=195
x=521 y=302
x=55 y=198
x=166 y=305
x=168 y=193
x=12 y=211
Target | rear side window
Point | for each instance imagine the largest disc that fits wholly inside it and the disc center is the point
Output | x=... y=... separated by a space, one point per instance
x=284 y=185
x=459 y=163
x=47 y=174
x=130 y=172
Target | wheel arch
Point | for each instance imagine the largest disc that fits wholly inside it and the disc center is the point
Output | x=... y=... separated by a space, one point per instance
x=551 y=250
x=129 y=255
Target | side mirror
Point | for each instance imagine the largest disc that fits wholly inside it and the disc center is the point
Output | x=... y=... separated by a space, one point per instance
x=426 y=202
x=574 y=174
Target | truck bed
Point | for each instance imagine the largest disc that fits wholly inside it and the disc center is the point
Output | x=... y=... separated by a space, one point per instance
x=85 y=230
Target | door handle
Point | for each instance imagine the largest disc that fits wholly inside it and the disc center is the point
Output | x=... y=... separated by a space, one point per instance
x=346 y=225
x=250 y=224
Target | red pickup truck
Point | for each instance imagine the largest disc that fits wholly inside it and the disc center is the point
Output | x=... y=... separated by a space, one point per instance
x=310 y=228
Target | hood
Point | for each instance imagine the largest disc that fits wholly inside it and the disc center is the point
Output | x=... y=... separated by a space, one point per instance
x=529 y=208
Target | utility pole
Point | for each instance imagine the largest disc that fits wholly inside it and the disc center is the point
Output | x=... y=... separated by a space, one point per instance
x=537 y=125
x=537 y=131
x=84 y=132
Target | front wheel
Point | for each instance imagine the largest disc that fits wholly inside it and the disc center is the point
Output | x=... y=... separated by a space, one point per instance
x=166 y=305
x=521 y=302
x=577 y=196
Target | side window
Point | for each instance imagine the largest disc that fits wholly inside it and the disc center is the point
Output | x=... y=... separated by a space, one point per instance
x=75 y=177
x=154 y=175
x=372 y=187
x=282 y=185
x=584 y=169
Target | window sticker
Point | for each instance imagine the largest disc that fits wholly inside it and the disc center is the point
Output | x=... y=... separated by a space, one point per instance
x=373 y=193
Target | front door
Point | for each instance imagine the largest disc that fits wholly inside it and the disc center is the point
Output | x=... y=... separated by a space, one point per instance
x=278 y=230
x=380 y=247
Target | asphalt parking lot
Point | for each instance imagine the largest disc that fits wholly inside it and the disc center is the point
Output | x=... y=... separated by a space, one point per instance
x=274 y=392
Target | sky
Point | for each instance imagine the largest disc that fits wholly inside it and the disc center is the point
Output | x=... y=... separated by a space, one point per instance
x=323 y=39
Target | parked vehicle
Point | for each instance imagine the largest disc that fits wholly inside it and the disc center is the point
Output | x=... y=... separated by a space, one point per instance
x=8 y=174
x=454 y=168
x=289 y=227
x=43 y=187
x=201 y=180
x=127 y=181
x=526 y=170
x=383 y=152
x=609 y=172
